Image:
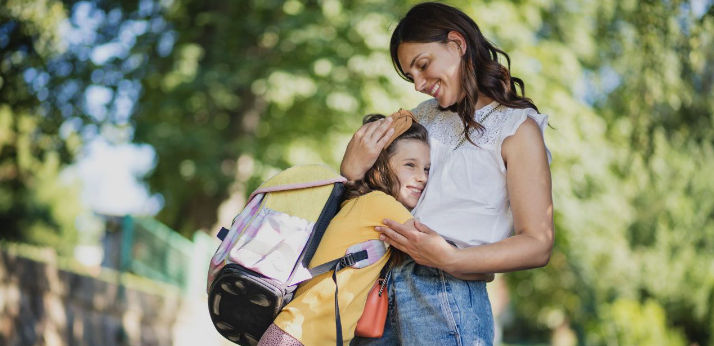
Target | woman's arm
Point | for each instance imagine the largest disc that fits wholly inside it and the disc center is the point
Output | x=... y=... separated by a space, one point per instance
x=411 y=224
x=364 y=148
x=529 y=188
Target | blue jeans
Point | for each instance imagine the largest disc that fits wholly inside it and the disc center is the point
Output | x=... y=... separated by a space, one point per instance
x=430 y=307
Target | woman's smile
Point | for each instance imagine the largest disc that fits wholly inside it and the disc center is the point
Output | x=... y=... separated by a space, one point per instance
x=434 y=91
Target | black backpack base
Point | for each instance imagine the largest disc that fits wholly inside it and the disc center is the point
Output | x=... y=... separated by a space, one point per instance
x=243 y=303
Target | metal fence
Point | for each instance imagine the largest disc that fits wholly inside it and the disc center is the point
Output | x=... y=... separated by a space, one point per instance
x=153 y=250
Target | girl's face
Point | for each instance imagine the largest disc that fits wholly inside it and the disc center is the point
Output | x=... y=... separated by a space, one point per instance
x=434 y=68
x=411 y=163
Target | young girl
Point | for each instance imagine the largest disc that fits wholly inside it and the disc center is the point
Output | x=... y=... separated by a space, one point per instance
x=389 y=189
x=490 y=178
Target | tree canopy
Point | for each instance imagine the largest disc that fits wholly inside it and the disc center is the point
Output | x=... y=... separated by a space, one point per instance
x=227 y=93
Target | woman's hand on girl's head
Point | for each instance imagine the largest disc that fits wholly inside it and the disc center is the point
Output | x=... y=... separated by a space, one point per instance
x=364 y=148
x=419 y=241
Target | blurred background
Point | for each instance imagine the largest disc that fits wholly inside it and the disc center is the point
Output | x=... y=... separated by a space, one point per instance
x=131 y=131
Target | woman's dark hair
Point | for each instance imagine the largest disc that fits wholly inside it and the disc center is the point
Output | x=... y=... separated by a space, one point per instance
x=381 y=176
x=480 y=70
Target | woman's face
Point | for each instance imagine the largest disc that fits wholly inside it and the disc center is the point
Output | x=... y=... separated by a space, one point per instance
x=434 y=68
x=411 y=163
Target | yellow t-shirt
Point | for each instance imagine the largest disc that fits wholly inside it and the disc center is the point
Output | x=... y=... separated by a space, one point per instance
x=310 y=316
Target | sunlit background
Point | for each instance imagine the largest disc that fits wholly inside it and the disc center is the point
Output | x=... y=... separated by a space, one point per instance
x=130 y=132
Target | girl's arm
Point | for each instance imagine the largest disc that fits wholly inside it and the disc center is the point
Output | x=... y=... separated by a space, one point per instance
x=364 y=148
x=529 y=188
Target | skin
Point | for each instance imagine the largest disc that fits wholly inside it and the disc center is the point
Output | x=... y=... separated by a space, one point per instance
x=527 y=176
x=434 y=68
x=410 y=163
x=440 y=80
x=364 y=148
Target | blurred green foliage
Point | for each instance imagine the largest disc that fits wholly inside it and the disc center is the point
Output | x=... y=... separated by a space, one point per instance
x=255 y=86
x=33 y=207
x=229 y=92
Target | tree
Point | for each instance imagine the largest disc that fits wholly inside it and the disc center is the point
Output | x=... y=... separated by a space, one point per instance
x=257 y=82
x=228 y=93
x=34 y=206
x=633 y=143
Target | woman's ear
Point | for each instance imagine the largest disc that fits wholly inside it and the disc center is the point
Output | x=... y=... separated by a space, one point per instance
x=456 y=37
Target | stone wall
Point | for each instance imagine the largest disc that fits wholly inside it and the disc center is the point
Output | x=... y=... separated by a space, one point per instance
x=42 y=305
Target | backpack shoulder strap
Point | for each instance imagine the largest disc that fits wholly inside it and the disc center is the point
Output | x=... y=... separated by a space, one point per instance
x=363 y=254
x=345 y=261
x=358 y=256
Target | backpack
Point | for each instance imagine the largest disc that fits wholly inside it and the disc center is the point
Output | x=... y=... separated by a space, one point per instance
x=266 y=252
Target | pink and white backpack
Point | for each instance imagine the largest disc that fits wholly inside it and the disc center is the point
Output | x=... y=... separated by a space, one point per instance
x=266 y=252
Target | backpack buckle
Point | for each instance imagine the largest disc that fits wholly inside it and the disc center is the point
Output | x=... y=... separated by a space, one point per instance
x=348 y=260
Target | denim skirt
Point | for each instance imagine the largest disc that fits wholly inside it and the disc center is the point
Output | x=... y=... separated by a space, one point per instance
x=430 y=307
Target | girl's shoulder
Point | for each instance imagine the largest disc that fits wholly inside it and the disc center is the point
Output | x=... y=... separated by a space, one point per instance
x=378 y=205
x=369 y=198
x=377 y=197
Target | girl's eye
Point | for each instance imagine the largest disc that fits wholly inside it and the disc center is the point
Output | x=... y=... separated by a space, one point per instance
x=423 y=67
x=410 y=165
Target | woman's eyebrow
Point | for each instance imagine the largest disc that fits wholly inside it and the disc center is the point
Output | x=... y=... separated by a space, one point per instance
x=414 y=60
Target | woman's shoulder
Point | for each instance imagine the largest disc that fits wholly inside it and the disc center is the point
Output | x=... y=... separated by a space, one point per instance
x=533 y=125
x=513 y=118
x=501 y=121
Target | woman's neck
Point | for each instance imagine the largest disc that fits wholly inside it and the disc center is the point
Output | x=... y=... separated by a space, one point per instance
x=483 y=101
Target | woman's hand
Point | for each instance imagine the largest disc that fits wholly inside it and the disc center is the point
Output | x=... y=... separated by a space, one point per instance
x=426 y=247
x=364 y=148
x=419 y=241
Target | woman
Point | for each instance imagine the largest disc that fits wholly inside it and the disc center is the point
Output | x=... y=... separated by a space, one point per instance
x=490 y=176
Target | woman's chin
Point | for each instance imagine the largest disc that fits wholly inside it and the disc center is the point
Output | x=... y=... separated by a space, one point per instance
x=444 y=103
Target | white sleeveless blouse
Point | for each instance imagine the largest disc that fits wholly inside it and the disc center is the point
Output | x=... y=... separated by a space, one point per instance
x=466 y=199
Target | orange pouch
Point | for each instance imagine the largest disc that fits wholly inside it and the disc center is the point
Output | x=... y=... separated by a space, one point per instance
x=371 y=324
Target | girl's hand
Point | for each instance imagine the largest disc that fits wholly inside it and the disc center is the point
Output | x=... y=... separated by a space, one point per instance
x=364 y=148
x=420 y=242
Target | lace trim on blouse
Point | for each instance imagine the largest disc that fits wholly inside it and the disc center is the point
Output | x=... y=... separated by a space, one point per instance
x=447 y=128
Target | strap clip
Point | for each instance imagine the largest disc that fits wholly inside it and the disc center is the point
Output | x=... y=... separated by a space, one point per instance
x=348 y=260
